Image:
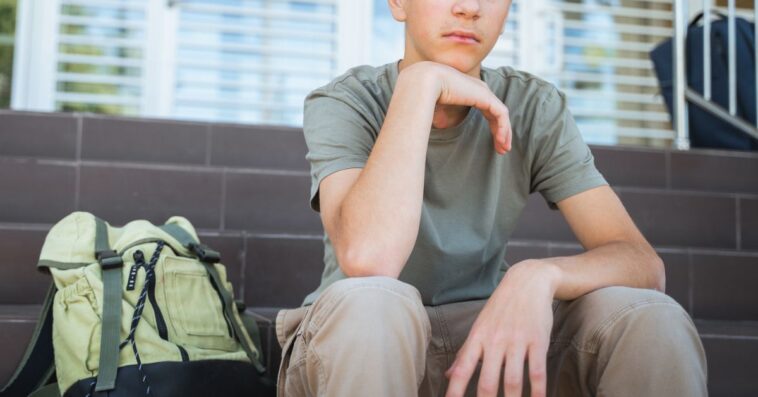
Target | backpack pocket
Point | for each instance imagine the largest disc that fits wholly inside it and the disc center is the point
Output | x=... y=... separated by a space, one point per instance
x=76 y=330
x=194 y=307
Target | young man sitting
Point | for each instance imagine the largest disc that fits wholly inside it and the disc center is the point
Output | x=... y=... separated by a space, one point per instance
x=420 y=170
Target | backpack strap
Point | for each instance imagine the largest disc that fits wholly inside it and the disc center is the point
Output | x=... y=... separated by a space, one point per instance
x=37 y=366
x=251 y=325
x=49 y=390
x=208 y=257
x=110 y=263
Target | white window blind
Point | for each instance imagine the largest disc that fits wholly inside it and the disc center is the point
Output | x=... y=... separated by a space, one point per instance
x=506 y=50
x=605 y=70
x=226 y=60
x=255 y=60
x=101 y=56
x=252 y=61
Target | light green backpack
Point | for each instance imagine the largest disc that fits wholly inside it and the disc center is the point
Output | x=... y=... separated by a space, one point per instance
x=138 y=310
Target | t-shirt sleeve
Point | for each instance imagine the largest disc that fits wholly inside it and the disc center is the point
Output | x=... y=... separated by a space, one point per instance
x=337 y=133
x=562 y=163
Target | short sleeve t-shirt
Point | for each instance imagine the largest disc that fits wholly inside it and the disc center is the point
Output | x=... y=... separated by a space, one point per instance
x=473 y=197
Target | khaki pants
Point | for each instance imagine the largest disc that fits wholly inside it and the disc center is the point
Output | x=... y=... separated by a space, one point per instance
x=372 y=336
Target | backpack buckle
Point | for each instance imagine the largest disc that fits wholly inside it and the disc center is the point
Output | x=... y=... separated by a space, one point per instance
x=109 y=259
x=204 y=253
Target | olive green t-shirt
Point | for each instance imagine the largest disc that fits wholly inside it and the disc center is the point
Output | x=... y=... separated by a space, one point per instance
x=473 y=197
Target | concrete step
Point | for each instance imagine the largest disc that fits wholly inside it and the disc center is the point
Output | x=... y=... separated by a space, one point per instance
x=276 y=202
x=731 y=347
x=279 y=270
x=88 y=137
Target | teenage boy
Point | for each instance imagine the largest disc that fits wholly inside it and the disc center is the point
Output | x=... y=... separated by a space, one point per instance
x=420 y=170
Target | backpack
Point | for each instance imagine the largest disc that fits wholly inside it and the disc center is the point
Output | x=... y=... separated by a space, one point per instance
x=137 y=310
x=706 y=129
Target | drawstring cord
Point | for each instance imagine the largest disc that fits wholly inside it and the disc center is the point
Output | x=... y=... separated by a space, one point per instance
x=139 y=261
x=149 y=278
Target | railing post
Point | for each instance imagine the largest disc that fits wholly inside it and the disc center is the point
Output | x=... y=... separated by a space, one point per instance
x=732 y=55
x=680 y=78
x=707 y=49
x=36 y=56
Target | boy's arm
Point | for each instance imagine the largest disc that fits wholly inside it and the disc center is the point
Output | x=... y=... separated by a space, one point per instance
x=515 y=324
x=372 y=214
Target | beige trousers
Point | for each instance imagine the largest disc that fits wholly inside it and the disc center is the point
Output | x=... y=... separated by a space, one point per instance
x=372 y=336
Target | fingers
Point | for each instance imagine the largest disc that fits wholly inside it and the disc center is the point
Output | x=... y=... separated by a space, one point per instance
x=460 y=373
x=461 y=89
x=462 y=369
x=537 y=370
x=508 y=130
x=489 y=377
x=508 y=137
x=500 y=124
x=494 y=110
x=513 y=376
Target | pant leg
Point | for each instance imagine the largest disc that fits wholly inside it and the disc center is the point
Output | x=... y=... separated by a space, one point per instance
x=620 y=341
x=450 y=326
x=615 y=341
x=363 y=336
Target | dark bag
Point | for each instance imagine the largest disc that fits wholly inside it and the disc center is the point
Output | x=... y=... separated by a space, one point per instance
x=706 y=129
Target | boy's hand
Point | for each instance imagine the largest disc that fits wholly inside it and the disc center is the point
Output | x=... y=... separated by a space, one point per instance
x=457 y=88
x=513 y=326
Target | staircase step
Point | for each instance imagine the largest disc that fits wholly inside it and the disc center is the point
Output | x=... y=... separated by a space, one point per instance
x=47 y=135
x=712 y=170
x=280 y=270
x=731 y=347
x=667 y=218
x=17 y=324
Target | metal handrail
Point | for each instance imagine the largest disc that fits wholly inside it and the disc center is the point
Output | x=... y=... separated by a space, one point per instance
x=683 y=95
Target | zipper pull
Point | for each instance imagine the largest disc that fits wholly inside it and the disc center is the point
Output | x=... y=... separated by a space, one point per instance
x=139 y=260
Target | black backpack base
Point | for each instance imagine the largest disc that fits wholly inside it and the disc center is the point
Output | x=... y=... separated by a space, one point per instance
x=187 y=379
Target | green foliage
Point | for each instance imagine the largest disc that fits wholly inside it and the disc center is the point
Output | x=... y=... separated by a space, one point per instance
x=8 y=28
x=8 y=17
x=6 y=75
x=96 y=108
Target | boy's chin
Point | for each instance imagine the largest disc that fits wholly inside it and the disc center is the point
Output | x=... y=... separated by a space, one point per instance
x=462 y=63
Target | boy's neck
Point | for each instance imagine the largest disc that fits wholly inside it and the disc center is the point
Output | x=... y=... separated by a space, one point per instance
x=446 y=116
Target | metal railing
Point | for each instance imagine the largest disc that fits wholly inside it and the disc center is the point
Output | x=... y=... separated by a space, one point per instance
x=684 y=94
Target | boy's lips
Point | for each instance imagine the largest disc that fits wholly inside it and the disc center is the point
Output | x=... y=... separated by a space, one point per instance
x=462 y=36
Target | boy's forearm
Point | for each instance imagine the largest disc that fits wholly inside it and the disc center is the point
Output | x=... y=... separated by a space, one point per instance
x=622 y=263
x=619 y=263
x=379 y=217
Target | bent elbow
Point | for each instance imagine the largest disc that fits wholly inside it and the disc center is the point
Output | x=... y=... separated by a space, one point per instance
x=357 y=262
x=658 y=273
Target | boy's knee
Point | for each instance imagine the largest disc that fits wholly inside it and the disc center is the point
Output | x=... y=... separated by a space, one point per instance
x=601 y=313
x=371 y=315
x=365 y=302
x=650 y=319
x=378 y=292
